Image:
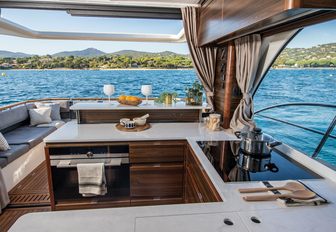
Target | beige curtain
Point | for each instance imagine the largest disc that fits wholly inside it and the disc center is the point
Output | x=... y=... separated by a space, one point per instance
x=4 y=199
x=247 y=60
x=203 y=58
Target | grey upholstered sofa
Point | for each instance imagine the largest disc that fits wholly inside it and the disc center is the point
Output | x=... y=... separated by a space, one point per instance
x=14 y=125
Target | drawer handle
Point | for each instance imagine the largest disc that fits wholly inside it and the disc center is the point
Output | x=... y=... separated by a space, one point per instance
x=89 y=154
x=156 y=165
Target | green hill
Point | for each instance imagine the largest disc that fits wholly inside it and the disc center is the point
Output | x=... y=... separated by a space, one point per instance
x=317 y=56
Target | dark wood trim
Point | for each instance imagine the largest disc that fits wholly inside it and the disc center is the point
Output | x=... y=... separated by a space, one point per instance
x=222 y=21
x=201 y=179
x=230 y=76
x=316 y=18
x=320 y=4
x=50 y=182
x=113 y=116
x=72 y=205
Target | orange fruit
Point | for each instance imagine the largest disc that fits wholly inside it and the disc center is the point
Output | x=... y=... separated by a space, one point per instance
x=122 y=98
x=129 y=98
x=132 y=98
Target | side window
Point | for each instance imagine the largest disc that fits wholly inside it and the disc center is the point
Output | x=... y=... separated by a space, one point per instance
x=304 y=73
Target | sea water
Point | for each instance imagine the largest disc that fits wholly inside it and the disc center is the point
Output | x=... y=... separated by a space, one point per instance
x=278 y=87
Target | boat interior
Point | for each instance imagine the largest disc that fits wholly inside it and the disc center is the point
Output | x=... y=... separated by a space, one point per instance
x=183 y=166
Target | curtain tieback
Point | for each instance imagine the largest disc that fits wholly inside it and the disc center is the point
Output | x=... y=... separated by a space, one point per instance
x=209 y=94
x=247 y=98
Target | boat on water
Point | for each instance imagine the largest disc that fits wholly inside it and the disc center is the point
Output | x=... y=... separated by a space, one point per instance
x=132 y=164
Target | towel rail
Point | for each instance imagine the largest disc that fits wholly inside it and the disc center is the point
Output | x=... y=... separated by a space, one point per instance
x=73 y=163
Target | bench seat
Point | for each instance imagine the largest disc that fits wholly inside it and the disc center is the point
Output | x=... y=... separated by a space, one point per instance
x=15 y=152
x=28 y=135
x=3 y=162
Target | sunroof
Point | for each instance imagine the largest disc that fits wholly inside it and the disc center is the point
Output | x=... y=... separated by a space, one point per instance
x=46 y=20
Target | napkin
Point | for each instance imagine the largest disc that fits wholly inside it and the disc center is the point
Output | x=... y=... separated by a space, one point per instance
x=290 y=202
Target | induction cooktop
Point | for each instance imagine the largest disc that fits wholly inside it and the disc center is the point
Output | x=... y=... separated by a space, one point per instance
x=221 y=154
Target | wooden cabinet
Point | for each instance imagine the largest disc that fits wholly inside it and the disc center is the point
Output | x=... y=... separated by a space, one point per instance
x=157 y=152
x=157 y=180
x=157 y=172
x=198 y=187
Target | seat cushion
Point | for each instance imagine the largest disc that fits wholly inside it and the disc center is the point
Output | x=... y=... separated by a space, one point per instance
x=13 y=116
x=15 y=152
x=28 y=135
x=3 y=162
x=55 y=109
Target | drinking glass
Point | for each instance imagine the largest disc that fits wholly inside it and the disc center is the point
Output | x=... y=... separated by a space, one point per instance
x=109 y=91
x=146 y=90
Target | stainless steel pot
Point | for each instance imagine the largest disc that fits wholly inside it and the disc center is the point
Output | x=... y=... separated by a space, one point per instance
x=254 y=164
x=256 y=143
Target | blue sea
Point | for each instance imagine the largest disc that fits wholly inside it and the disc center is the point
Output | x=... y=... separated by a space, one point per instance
x=279 y=86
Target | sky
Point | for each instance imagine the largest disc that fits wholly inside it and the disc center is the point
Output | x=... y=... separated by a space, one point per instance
x=61 y=21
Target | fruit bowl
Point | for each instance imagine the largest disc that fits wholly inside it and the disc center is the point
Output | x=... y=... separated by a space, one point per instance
x=132 y=101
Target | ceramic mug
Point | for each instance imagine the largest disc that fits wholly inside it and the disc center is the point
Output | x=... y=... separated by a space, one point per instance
x=129 y=124
x=124 y=120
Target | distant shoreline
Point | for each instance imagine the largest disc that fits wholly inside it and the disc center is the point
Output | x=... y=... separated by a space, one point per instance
x=143 y=69
x=287 y=68
x=98 y=69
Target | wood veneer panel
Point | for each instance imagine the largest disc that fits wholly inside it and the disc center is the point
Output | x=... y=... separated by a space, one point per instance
x=157 y=152
x=204 y=185
x=220 y=77
x=321 y=4
x=156 y=181
x=242 y=17
x=113 y=116
x=230 y=82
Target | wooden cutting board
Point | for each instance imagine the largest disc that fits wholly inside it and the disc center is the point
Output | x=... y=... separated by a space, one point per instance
x=135 y=129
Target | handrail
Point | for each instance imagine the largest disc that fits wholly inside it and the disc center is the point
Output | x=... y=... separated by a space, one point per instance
x=57 y=99
x=296 y=125
x=297 y=104
x=325 y=137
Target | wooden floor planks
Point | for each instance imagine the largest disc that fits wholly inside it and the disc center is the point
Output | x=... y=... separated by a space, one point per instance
x=30 y=195
x=32 y=190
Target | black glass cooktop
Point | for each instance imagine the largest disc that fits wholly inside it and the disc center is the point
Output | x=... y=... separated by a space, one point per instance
x=221 y=155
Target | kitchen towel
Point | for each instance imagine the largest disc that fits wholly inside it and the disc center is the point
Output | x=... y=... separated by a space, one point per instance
x=91 y=179
x=4 y=198
x=290 y=202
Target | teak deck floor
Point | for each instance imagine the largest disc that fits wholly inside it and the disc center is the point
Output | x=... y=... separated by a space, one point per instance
x=30 y=195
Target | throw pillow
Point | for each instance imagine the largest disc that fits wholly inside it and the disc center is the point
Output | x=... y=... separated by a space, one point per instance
x=39 y=116
x=55 y=109
x=3 y=143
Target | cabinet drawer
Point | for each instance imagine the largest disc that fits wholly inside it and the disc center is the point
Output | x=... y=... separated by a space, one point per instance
x=161 y=180
x=157 y=152
x=206 y=188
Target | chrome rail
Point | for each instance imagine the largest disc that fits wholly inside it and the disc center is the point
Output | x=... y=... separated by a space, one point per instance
x=325 y=135
x=296 y=104
x=296 y=125
x=325 y=138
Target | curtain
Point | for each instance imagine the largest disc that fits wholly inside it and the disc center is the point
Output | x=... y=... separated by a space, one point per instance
x=203 y=58
x=247 y=60
x=4 y=199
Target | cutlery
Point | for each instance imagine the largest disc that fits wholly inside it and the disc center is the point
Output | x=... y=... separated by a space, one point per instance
x=290 y=186
x=299 y=194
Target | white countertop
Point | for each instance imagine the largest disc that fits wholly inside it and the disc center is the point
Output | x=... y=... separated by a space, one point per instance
x=114 y=105
x=73 y=132
x=183 y=217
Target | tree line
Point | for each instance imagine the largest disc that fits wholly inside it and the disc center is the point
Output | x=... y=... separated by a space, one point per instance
x=100 y=62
